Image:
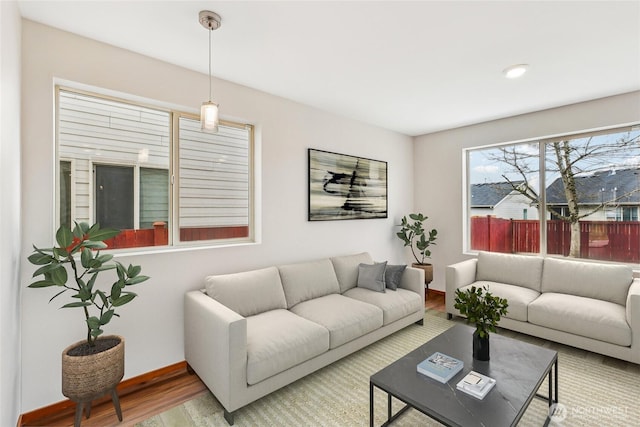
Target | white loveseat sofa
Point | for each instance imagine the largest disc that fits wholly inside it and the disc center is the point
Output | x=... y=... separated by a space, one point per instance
x=593 y=306
x=251 y=333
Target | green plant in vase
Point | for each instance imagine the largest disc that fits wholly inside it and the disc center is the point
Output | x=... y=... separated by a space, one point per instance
x=483 y=310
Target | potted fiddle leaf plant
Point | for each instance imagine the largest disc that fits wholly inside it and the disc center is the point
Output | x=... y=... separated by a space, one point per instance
x=94 y=366
x=414 y=235
x=484 y=310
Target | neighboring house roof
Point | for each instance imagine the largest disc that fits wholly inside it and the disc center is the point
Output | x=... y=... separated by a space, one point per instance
x=489 y=194
x=614 y=186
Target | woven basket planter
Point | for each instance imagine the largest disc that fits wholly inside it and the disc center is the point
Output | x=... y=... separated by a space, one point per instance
x=85 y=378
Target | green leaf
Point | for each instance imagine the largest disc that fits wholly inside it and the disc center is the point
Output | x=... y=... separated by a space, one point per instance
x=77 y=304
x=133 y=270
x=58 y=275
x=40 y=258
x=104 y=258
x=124 y=299
x=103 y=297
x=42 y=284
x=64 y=236
x=85 y=294
x=106 y=317
x=80 y=230
x=86 y=257
x=96 y=332
x=93 y=322
x=136 y=280
x=95 y=245
x=98 y=234
x=91 y=282
x=116 y=290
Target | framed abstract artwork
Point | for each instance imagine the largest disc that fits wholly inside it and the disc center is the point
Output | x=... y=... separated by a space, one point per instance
x=346 y=187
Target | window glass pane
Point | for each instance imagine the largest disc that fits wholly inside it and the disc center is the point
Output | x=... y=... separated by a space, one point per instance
x=593 y=190
x=503 y=188
x=65 y=193
x=98 y=132
x=154 y=197
x=214 y=181
x=114 y=196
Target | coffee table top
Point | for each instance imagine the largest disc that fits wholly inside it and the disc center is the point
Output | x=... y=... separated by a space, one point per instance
x=519 y=369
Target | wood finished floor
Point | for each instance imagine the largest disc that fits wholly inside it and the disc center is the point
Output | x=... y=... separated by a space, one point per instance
x=157 y=396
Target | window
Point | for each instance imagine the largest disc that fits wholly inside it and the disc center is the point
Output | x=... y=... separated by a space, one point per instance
x=587 y=208
x=116 y=166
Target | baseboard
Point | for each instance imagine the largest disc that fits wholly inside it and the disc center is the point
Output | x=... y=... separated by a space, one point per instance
x=436 y=292
x=125 y=387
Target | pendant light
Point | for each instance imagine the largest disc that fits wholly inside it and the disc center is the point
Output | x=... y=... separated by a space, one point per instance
x=209 y=110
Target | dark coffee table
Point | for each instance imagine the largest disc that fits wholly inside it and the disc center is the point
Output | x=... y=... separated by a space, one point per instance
x=519 y=369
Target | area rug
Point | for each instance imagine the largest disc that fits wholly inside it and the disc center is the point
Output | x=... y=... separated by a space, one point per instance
x=595 y=391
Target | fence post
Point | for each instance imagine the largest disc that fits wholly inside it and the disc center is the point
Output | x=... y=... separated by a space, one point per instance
x=159 y=233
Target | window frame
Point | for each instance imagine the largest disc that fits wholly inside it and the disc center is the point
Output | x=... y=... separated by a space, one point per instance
x=174 y=115
x=542 y=143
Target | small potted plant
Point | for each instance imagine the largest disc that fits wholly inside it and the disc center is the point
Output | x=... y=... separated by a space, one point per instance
x=92 y=367
x=414 y=235
x=484 y=310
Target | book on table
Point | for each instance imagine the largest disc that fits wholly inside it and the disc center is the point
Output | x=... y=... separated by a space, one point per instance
x=440 y=367
x=476 y=384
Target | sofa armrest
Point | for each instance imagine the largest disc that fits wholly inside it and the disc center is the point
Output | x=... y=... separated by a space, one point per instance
x=215 y=346
x=413 y=280
x=456 y=276
x=633 y=316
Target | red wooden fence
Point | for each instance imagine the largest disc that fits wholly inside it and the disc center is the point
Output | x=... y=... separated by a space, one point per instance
x=602 y=240
x=159 y=235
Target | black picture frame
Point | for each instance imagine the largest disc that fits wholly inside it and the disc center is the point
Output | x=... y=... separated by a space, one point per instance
x=342 y=187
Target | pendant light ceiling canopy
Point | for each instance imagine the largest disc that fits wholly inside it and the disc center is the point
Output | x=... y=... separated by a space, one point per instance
x=209 y=110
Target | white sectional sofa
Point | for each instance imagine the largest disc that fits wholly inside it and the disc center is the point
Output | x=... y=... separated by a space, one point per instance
x=251 y=333
x=593 y=306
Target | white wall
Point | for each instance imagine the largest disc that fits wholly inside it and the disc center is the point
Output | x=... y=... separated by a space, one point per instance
x=10 y=28
x=153 y=323
x=438 y=162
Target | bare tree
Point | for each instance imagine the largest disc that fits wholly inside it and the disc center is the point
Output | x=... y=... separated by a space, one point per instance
x=570 y=159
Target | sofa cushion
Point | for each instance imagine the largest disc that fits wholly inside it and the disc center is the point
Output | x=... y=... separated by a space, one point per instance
x=249 y=292
x=278 y=340
x=307 y=280
x=393 y=276
x=517 y=270
x=371 y=276
x=518 y=297
x=394 y=305
x=344 y=317
x=607 y=282
x=346 y=268
x=587 y=317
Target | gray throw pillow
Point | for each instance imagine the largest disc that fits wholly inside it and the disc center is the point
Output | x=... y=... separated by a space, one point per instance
x=371 y=276
x=393 y=275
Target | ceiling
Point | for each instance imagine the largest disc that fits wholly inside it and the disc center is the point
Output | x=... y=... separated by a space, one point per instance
x=414 y=67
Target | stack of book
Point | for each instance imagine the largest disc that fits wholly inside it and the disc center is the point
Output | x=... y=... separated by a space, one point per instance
x=476 y=384
x=440 y=367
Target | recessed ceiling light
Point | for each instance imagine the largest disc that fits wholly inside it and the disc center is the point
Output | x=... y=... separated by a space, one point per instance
x=515 y=71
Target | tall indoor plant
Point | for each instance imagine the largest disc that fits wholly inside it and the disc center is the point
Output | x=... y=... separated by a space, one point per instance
x=414 y=235
x=484 y=310
x=94 y=366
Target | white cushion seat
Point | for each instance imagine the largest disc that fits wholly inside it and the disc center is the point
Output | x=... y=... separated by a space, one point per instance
x=518 y=297
x=394 y=304
x=593 y=318
x=345 y=318
x=278 y=340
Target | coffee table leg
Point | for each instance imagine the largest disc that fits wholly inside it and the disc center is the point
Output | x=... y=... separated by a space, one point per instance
x=370 y=404
x=388 y=407
x=556 y=381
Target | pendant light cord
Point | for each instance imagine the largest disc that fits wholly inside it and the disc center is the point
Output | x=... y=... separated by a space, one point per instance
x=210 y=31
